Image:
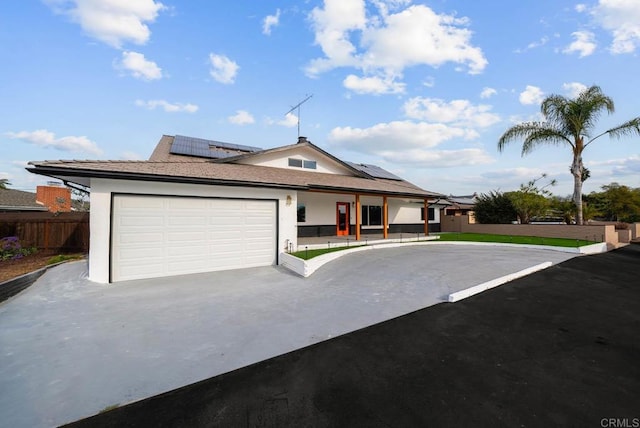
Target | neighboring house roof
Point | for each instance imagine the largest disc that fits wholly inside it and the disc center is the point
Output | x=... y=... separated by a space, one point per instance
x=17 y=200
x=465 y=202
x=165 y=166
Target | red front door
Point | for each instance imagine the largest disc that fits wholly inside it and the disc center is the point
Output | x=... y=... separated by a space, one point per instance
x=342 y=218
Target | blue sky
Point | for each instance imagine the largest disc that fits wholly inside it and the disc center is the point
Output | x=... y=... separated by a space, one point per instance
x=421 y=88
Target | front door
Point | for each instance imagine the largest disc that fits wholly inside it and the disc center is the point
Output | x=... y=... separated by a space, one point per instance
x=342 y=218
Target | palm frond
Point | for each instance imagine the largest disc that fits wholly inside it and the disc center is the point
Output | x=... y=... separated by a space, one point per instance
x=518 y=132
x=542 y=136
x=631 y=127
x=533 y=134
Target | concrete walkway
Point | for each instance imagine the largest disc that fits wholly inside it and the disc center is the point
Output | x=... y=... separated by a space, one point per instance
x=69 y=348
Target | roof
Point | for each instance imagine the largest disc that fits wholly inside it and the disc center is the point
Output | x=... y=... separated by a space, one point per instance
x=302 y=142
x=17 y=200
x=165 y=166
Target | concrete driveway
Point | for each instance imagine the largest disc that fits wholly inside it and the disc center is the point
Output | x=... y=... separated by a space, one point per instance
x=71 y=348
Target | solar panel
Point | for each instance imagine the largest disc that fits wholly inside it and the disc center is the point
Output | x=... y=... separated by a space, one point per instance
x=200 y=147
x=374 y=171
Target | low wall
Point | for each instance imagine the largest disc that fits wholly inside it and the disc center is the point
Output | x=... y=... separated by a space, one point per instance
x=597 y=233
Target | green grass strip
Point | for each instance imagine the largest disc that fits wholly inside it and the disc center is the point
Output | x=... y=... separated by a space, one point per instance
x=309 y=254
x=506 y=239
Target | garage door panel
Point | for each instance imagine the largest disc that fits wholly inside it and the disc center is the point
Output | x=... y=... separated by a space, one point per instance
x=192 y=251
x=158 y=236
x=139 y=253
x=141 y=220
x=142 y=238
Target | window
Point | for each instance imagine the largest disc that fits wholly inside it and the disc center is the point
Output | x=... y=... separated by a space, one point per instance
x=299 y=163
x=295 y=162
x=302 y=213
x=432 y=214
x=371 y=215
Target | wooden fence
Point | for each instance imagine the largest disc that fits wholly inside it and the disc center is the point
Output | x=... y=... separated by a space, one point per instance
x=49 y=232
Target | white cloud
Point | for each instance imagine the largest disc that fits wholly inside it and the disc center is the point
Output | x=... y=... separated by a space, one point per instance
x=411 y=143
x=622 y=19
x=531 y=95
x=290 y=120
x=269 y=22
x=223 y=69
x=580 y=7
x=458 y=112
x=387 y=42
x=400 y=135
x=618 y=167
x=129 y=155
x=438 y=158
x=113 y=22
x=139 y=67
x=167 y=106
x=44 y=138
x=583 y=44
x=242 y=117
x=487 y=92
x=373 y=85
x=573 y=88
x=538 y=43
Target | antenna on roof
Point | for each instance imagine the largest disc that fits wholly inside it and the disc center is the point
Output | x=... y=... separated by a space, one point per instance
x=297 y=106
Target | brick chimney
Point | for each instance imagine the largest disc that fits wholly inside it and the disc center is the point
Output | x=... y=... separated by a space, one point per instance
x=302 y=140
x=55 y=197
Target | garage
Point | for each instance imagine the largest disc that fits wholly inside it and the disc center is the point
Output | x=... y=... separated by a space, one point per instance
x=154 y=236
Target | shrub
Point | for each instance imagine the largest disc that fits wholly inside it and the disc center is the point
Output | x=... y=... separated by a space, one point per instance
x=11 y=249
x=494 y=208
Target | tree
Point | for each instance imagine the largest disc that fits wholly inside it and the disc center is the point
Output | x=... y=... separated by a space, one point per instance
x=618 y=202
x=569 y=121
x=531 y=201
x=565 y=208
x=4 y=183
x=494 y=208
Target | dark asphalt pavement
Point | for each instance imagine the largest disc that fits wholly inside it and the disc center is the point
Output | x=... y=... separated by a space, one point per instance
x=560 y=347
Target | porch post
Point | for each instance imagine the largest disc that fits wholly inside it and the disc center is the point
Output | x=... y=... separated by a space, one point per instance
x=385 y=218
x=426 y=217
x=358 y=214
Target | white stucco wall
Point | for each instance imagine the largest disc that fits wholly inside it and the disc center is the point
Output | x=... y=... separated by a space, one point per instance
x=321 y=207
x=100 y=218
x=280 y=159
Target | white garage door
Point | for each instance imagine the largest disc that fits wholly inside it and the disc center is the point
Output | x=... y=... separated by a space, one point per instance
x=156 y=236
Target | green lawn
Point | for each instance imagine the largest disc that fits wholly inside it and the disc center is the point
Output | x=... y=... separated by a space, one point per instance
x=309 y=254
x=535 y=240
x=470 y=237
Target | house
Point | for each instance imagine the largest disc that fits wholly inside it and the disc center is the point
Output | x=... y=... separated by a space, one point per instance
x=201 y=205
x=53 y=197
x=461 y=205
x=17 y=200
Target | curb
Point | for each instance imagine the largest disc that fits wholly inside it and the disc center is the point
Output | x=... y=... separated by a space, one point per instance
x=11 y=287
x=477 y=289
x=306 y=268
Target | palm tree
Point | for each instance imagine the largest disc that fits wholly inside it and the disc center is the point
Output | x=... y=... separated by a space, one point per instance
x=569 y=122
